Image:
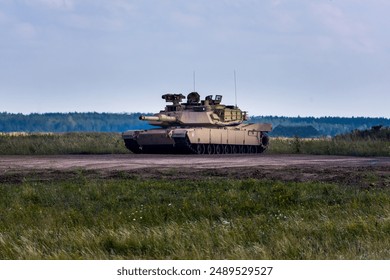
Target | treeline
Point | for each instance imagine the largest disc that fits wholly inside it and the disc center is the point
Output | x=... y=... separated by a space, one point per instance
x=70 y=122
x=375 y=133
x=370 y=142
x=119 y=122
x=324 y=126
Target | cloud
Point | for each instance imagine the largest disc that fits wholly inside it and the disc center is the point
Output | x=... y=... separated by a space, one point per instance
x=121 y=5
x=25 y=30
x=13 y=28
x=53 y=4
x=3 y=19
x=340 y=29
x=187 y=20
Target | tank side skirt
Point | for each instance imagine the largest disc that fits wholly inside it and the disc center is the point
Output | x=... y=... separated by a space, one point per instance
x=192 y=143
x=215 y=144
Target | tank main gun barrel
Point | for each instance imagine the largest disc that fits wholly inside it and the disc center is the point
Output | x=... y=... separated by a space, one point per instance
x=158 y=118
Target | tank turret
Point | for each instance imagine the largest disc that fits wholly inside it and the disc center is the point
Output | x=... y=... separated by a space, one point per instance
x=196 y=112
x=198 y=126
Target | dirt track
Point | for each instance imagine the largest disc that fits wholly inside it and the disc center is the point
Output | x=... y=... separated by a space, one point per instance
x=348 y=170
x=131 y=162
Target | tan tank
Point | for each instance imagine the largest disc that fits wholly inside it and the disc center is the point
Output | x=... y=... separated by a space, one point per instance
x=199 y=127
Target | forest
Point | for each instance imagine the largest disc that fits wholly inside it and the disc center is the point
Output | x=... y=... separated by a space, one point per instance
x=119 y=122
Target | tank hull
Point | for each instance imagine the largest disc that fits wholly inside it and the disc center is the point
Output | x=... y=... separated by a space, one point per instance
x=248 y=138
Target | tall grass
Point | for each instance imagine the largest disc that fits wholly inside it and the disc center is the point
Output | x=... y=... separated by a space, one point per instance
x=112 y=143
x=328 y=146
x=61 y=143
x=129 y=218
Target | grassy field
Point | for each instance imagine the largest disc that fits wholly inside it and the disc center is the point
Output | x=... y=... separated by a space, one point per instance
x=112 y=143
x=132 y=218
x=61 y=143
x=77 y=215
x=334 y=146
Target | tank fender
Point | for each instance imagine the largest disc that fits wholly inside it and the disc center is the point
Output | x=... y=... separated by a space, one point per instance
x=258 y=126
x=131 y=134
x=179 y=133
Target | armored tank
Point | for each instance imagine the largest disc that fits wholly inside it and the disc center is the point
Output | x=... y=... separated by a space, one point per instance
x=198 y=127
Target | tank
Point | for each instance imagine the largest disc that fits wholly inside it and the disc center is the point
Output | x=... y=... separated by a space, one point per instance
x=198 y=127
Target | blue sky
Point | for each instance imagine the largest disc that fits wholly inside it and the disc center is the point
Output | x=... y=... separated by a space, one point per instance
x=306 y=57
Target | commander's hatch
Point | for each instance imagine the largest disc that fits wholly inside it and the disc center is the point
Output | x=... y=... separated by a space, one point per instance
x=218 y=99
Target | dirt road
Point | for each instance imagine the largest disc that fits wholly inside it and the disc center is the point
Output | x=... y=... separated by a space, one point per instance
x=131 y=162
x=348 y=170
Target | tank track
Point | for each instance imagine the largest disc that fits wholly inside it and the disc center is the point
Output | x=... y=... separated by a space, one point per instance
x=183 y=146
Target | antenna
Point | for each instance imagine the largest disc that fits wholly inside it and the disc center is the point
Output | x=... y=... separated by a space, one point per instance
x=235 y=88
x=193 y=77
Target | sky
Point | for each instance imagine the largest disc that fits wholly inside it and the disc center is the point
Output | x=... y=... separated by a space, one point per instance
x=291 y=58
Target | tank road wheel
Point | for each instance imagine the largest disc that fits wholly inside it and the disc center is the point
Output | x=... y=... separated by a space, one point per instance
x=252 y=149
x=218 y=149
x=228 y=149
x=241 y=149
x=199 y=148
x=233 y=149
x=210 y=149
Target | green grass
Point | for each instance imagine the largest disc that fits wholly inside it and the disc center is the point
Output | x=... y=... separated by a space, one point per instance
x=62 y=143
x=112 y=143
x=325 y=146
x=130 y=218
